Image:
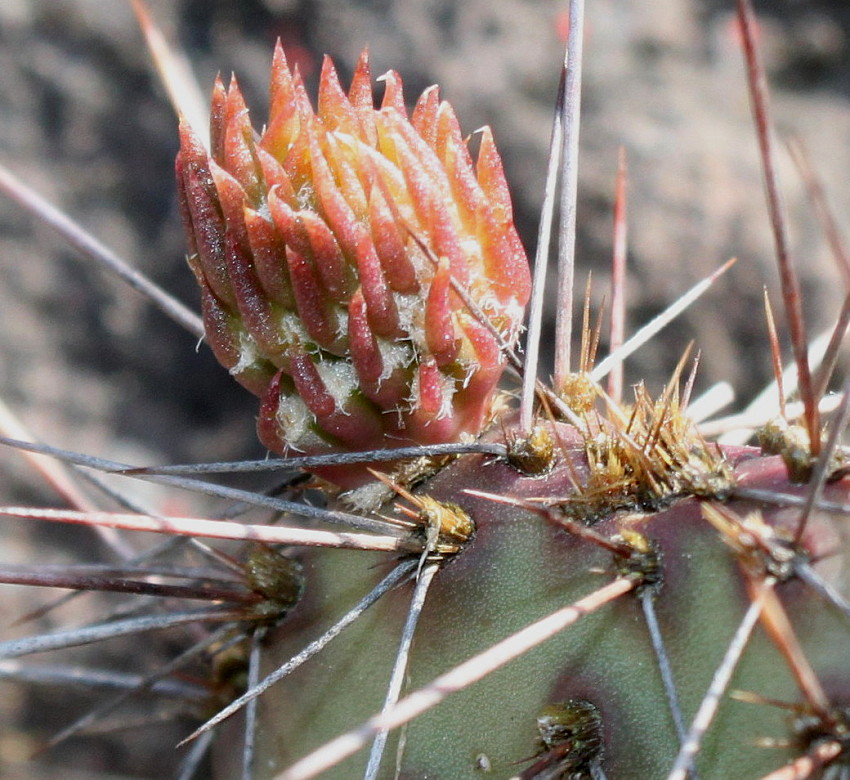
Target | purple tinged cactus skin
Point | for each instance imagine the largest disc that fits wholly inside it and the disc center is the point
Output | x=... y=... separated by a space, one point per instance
x=518 y=568
x=326 y=250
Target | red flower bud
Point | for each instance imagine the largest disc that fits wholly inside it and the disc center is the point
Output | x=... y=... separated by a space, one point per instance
x=327 y=250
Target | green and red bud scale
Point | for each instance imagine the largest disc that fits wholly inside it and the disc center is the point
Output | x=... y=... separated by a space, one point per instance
x=329 y=249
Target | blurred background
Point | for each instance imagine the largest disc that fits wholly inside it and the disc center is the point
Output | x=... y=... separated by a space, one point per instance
x=89 y=366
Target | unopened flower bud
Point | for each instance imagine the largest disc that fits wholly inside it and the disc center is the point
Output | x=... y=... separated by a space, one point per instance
x=328 y=250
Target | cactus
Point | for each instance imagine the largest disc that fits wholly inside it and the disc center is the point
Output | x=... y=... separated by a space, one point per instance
x=572 y=586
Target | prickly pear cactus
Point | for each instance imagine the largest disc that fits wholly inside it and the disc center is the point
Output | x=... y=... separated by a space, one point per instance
x=574 y=585
x=631 y=497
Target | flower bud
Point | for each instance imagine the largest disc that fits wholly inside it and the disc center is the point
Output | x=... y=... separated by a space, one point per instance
x=329 y=249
